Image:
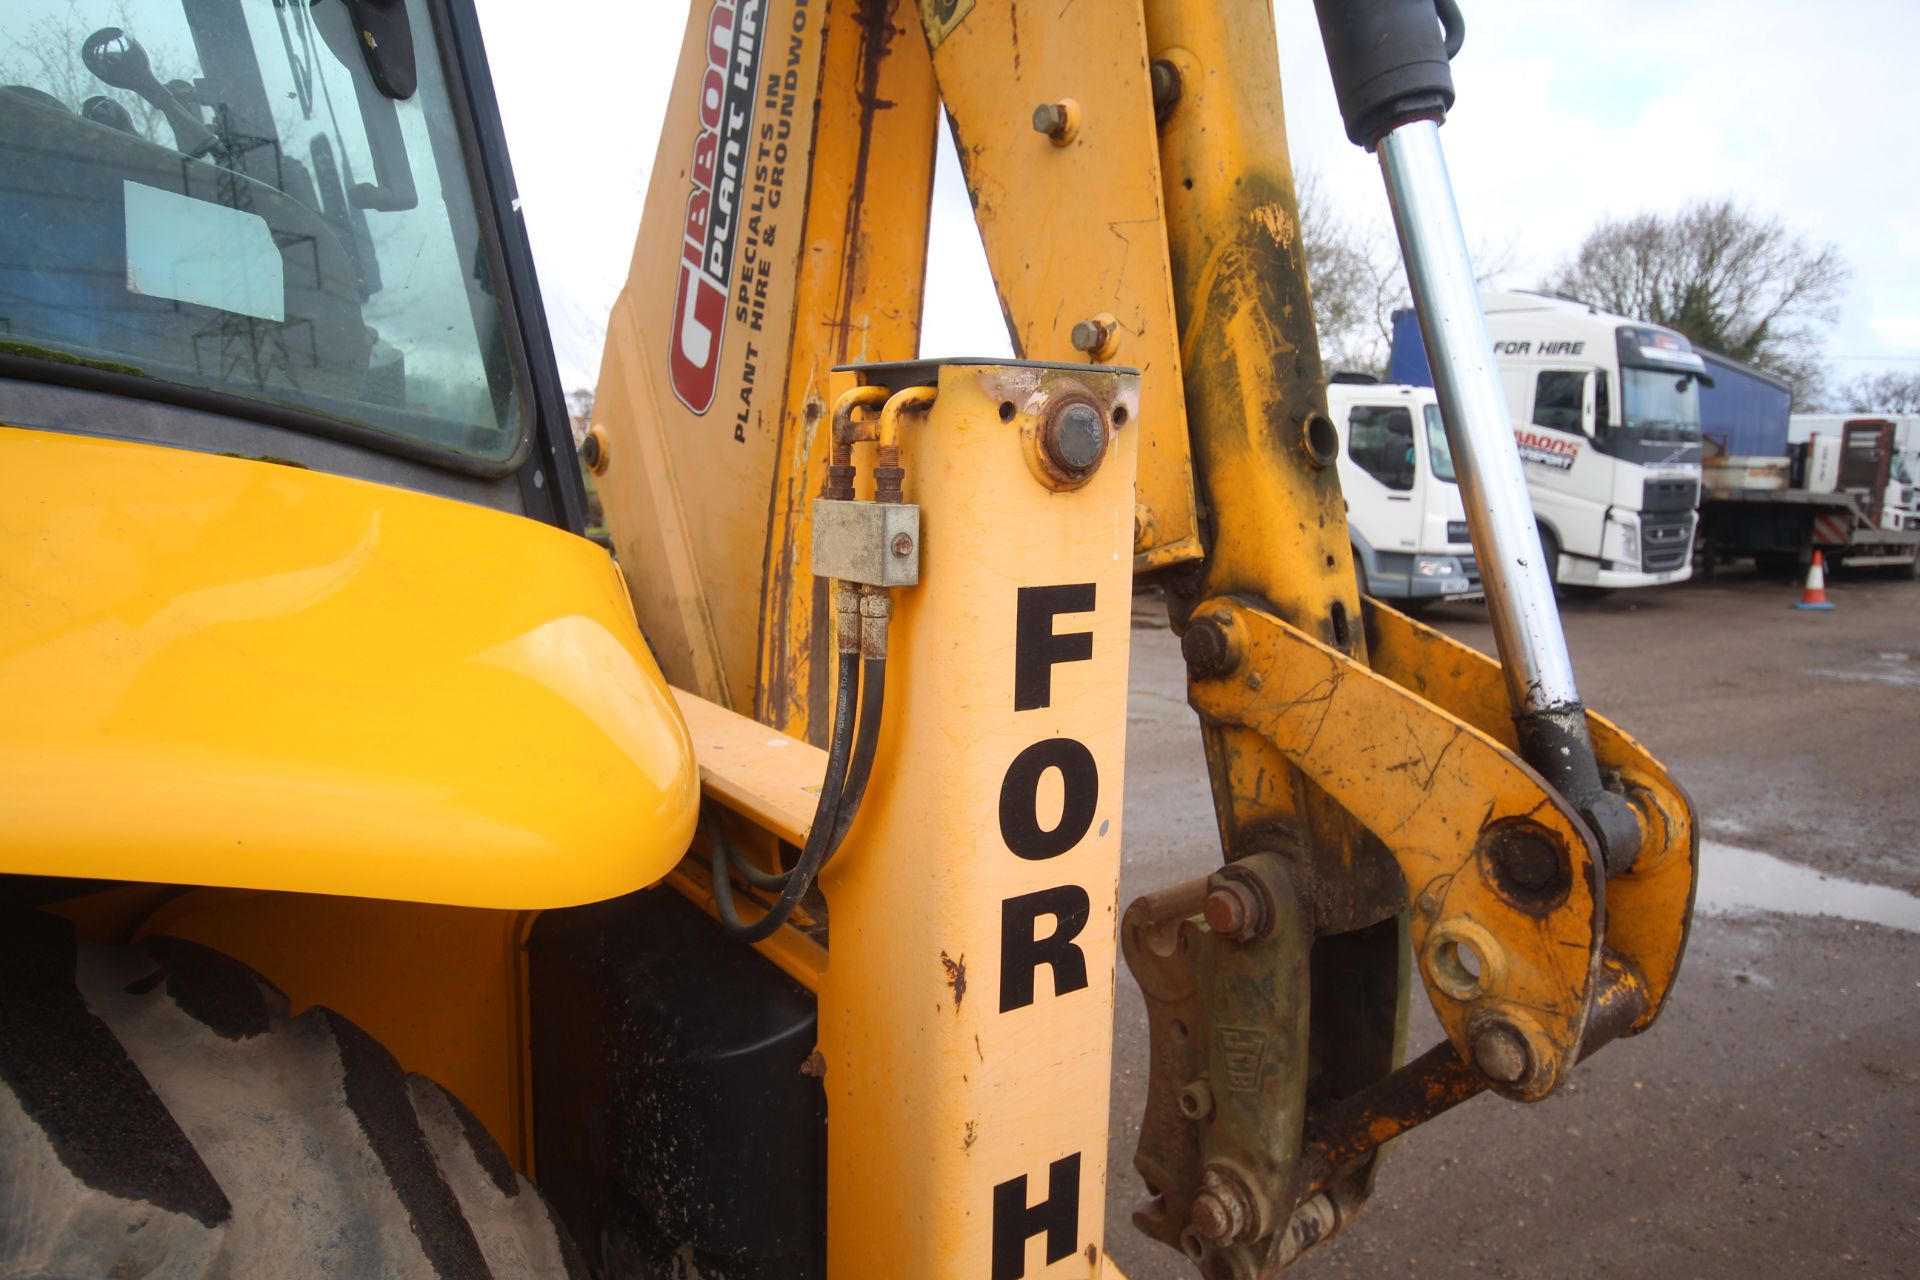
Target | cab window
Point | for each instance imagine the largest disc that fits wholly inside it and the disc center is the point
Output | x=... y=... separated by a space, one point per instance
x=1380 y=440
x=1556 y=400
x=223 y=196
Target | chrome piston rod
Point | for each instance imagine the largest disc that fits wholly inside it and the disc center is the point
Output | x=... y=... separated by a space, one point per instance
x=1518 y=582
x=1547 y=710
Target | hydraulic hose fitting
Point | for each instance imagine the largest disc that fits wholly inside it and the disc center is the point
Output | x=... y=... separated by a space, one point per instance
x=889 y=477
x=846 y=608
x=848 y=430
x=876 y=612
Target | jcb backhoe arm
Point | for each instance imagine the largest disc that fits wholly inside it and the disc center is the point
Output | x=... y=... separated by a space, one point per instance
x=1382 y=794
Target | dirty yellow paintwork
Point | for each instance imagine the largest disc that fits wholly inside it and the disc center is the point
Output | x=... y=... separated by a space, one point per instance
x=828 y=252
x=1650 y=906
x=1430 y=786
x=857 y=298
x=220 y=671
x=441 y=988
x=444 y=989
x=770 y=781
x=935 y=1095
x=1248 y=350
x=1075 y=231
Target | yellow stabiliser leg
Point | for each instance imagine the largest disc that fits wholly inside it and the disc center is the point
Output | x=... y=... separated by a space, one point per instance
x=966 y=994
x=967 y=1005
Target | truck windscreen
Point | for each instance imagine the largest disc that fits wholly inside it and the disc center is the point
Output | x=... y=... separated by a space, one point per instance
x=1660 y=411
x=218 y=194
x=1437 y=447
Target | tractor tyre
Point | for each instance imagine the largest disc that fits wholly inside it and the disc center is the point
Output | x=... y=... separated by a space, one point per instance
x=162 y=1115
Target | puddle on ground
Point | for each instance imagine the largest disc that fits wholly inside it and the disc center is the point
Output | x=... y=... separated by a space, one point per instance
x=1895 y=667
x=1898 y=679
x=1735 y=881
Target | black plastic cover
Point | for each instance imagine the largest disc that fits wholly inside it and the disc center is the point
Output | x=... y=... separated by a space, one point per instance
x=1389 y=61
x=676 y=1131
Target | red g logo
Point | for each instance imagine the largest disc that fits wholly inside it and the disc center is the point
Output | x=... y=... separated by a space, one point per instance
x=694 y=362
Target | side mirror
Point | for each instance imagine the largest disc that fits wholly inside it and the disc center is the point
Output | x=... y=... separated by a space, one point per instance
x=385 y=37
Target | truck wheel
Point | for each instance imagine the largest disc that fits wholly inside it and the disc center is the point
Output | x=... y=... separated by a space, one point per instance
x=162 y=1115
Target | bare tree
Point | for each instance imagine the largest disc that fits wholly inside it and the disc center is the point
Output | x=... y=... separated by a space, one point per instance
x=1888 y=392
x=1358 y=281
x=1355 y=283
x=1732 y=281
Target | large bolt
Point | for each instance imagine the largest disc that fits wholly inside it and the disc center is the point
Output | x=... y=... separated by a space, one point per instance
x=1528 y=864
x=1531 y=862
x=1166 y=85
x=1075 y=438
x=1091 y=336
x=1058 y=120
x=902 y=545
x=1222 y=1211
x=593 y=450
x=1210 y=1217
x=1234 y=911
x=1500 y=1051
x=1208 y=649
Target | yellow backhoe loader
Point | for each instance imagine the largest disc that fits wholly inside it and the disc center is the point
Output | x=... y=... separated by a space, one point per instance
x=395 y=883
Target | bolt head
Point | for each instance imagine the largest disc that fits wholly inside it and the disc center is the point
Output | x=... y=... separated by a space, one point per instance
x=902 y=545
x=1206 y=648
x=1196 y=1100
x=1500 y=1051
x=1528 y=864
x=1223 y=1210
x=1236 y=910
x=1211 y=1219
x=1227 y=910
x=1089 y=336
x=1049 y=118
x=1532 y=862
x=1076 y=438
x=1166 y=82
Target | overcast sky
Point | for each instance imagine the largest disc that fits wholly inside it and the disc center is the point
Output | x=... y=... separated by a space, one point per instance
x=1567 y=112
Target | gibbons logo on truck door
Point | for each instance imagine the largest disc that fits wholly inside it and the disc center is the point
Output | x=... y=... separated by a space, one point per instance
x=707 y=252
x=1546 y=449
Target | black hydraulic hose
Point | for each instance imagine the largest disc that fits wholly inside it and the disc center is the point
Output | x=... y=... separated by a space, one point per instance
x=1453 y=27
x=819 y=835
x=768 y=881
x=873 y=697
x=873 y=692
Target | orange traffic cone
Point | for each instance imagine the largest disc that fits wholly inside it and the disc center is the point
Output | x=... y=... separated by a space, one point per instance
x=1814 y=594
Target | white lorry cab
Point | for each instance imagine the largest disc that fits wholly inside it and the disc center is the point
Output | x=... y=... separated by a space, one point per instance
x=1606 y=411
x=1404 y=512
